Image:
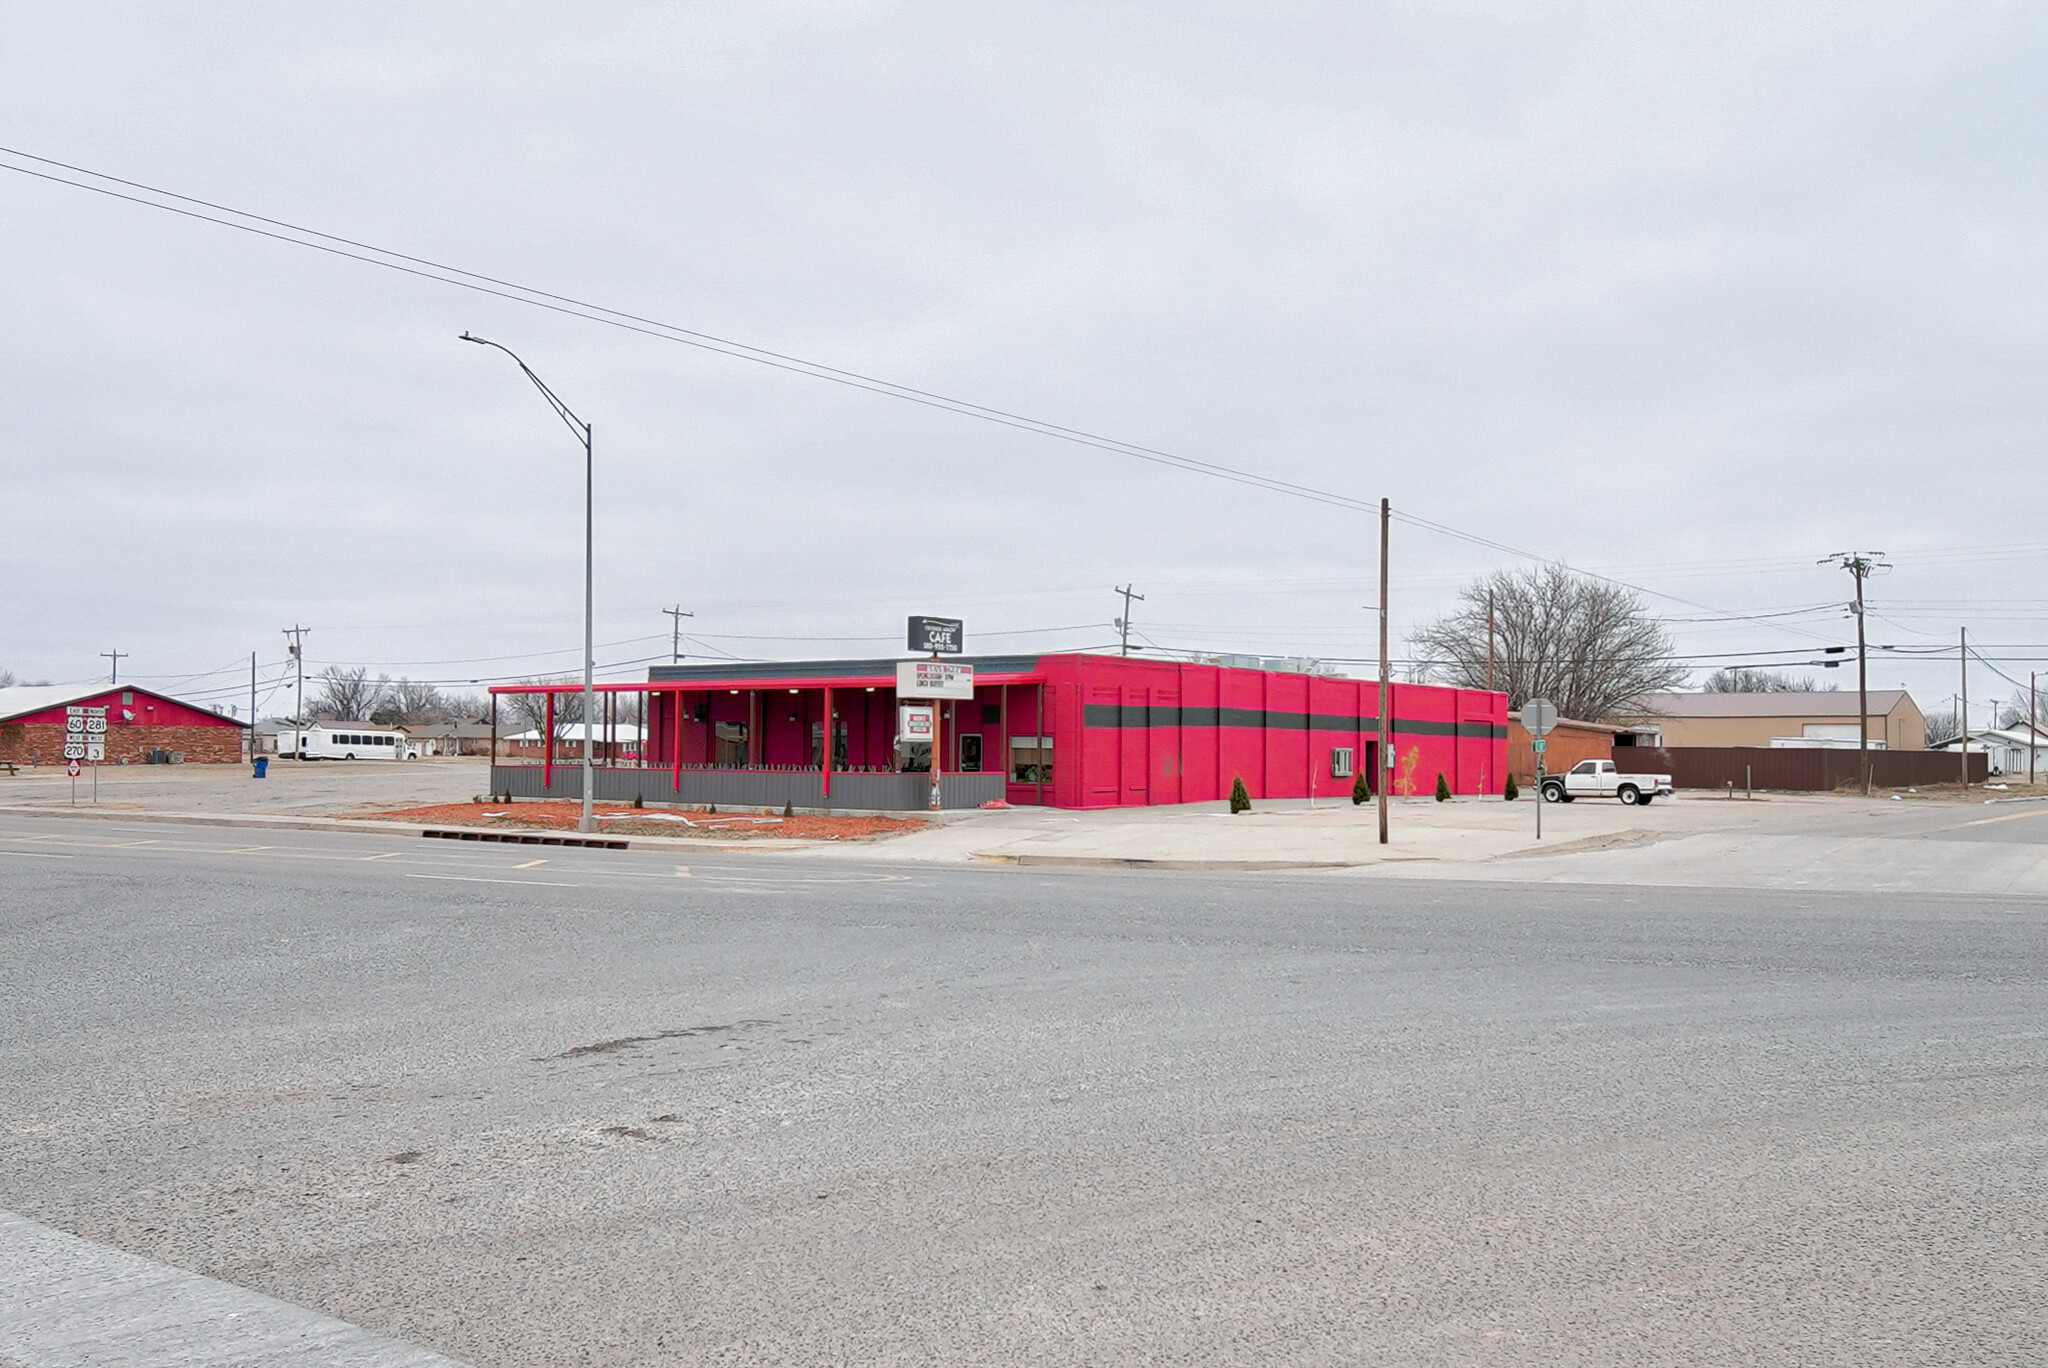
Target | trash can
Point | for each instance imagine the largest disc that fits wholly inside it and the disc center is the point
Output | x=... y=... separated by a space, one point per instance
x=262 y=765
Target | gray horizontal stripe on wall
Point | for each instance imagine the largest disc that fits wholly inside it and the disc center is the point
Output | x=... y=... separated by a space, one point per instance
x=1131 y=715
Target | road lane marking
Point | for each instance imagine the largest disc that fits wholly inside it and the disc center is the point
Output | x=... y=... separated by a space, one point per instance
x=530 y=864
x=38 y=854
x=124 y=845
x=67 y=1300
x=246 y=850
x=387 y=855
x=2008 y=817
x=466 y=878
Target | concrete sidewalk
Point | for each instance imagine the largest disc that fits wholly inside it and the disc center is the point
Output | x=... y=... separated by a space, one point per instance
x=1284 y=835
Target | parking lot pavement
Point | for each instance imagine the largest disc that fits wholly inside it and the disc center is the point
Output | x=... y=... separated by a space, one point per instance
x=328 y=788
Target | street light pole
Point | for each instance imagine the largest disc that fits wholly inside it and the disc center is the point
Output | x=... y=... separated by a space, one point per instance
x=588 y=820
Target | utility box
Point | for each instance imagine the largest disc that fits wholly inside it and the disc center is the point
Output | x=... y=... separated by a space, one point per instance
x=1340 y=762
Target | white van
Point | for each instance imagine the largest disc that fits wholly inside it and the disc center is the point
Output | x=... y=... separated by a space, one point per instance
x=347 y=741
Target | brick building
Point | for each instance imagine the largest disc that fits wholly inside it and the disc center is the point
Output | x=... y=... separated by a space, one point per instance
x=141 y=723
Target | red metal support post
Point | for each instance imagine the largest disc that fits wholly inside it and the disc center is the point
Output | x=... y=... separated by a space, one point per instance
x=547 y=741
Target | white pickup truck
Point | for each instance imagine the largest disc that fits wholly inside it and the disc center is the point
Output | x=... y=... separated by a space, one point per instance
x=1599 y=779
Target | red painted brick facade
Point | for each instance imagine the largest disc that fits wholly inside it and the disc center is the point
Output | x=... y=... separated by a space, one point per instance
x=42 y=743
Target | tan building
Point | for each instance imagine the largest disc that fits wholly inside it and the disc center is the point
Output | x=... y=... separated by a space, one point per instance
x=1784 y=719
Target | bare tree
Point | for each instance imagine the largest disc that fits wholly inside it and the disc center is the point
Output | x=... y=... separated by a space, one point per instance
x=408 y=703
x=528 y=711
x=1940 y=726
x=1588 y=646
x=2013 y=712
x=346 y=695
x=7 y=679
x=1741 y=679
x=464 y=707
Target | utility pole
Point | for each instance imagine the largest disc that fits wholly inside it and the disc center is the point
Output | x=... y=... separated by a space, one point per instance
x=1861 y=565
x=2033 y=736
x=252 y=705
x=1386 y=755
x=675 y=645
x=1124 y=623
x=116 y=657
x=1963 y=716
x=298 y=654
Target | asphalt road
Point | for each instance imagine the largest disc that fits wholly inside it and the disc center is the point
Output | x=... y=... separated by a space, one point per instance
x=602 y=1108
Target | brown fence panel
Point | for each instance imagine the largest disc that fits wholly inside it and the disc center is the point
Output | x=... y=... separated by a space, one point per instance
x=1794 y=769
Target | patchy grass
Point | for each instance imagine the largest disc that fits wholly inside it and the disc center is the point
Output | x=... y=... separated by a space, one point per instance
x=618 y=819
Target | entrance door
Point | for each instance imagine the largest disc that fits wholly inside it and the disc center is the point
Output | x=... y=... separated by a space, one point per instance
x=731 y=750
x=968 y=751
x=1136 y=738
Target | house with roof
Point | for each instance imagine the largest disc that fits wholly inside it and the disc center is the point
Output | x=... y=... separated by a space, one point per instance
x=1807 y=718
x=2007 y=748
x=142 y=725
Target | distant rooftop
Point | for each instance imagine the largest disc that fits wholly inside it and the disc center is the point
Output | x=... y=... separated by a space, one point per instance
x=1795 y=703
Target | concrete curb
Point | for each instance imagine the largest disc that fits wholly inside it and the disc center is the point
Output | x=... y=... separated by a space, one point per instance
x=366 y=826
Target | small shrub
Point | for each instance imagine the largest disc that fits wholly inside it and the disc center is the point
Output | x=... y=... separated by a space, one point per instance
x=1361 y=788
x=1443 y=790
x=1240 y=801
x=1509 y=791
x=638 y=802
x=788 y=810
x=711 y=809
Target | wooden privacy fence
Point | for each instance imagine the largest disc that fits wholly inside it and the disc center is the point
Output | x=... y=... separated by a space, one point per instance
x=1811 y=770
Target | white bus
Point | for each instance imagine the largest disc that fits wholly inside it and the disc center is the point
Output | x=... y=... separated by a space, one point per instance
x=347 y=741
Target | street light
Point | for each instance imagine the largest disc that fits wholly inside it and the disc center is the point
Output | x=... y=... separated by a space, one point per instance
x=588 y=821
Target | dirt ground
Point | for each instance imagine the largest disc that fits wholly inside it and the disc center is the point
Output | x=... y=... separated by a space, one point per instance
x=618 y=819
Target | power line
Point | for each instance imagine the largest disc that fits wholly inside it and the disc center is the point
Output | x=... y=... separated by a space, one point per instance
x=421 y=267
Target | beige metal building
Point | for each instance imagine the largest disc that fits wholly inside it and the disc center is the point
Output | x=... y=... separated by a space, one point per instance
x=1783 y=719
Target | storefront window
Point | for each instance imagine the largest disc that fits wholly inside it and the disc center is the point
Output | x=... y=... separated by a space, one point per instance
x=1031 y=759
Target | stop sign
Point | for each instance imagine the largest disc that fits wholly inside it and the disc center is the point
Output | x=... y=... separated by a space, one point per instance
x=1539 y=715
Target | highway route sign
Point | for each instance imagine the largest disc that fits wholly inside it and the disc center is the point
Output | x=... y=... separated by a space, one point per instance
x=85 y=733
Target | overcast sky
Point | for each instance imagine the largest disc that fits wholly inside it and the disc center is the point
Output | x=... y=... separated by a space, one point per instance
x=1689 y=294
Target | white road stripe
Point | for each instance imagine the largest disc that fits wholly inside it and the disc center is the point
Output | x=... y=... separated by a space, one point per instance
x=69 y=1303
x=39 y=854
x=464 y=878
x=530 y=864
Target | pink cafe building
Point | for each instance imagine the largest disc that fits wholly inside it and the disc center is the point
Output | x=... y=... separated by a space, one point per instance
x=1060 y=730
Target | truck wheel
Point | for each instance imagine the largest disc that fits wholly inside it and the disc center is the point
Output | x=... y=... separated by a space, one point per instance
x=1554 y=793
x=350 y=756
x=1630 y=795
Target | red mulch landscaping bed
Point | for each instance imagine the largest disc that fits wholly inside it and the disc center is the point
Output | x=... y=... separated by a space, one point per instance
x=619 y=820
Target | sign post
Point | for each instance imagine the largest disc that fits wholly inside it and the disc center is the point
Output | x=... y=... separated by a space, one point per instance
x=935 y=679
x=1539 y=715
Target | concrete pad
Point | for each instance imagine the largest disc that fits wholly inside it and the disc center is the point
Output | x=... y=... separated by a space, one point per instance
x=69 y=1303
